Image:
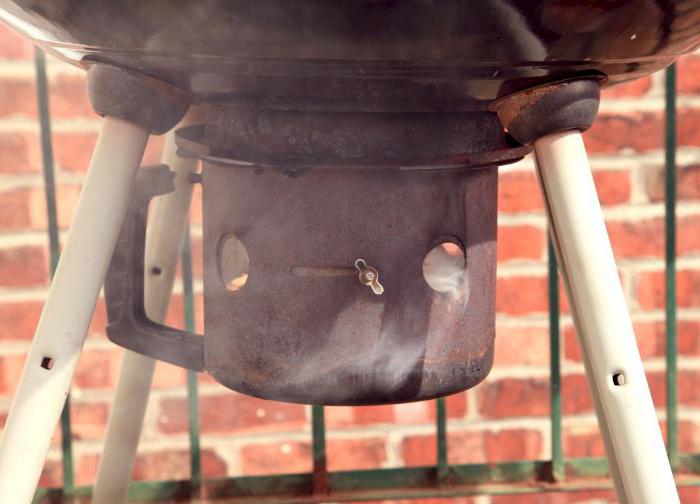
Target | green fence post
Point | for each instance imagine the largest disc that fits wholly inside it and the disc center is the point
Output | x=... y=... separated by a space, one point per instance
x=555 y=365
x=192 y=394
x=670 y=271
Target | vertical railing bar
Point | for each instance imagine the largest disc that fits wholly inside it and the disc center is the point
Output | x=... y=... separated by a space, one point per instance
x=192 y=393
x=318 y=439
x=555 y=365
x=670 y=270
x=54 y=244
x=441 y=434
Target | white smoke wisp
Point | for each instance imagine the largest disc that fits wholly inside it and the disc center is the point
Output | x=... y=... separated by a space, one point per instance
x=376 y=362
x=444 y=270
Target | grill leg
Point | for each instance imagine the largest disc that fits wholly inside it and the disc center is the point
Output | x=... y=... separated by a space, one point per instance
x=166 y=230
x=68 y=310
x=626 y=414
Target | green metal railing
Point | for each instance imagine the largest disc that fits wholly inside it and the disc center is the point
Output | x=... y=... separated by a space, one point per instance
x=441 y=479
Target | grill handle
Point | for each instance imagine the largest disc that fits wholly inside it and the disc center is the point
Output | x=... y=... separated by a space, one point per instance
x=127 y=323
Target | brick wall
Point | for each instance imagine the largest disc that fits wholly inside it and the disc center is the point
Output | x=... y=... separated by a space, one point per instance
x=505 y=418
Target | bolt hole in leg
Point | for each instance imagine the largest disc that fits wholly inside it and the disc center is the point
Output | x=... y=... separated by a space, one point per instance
x=47 y=362
x=619 y=379
x=156 y=271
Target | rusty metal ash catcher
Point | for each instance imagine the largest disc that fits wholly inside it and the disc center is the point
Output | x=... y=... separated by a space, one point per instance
x=319 y=283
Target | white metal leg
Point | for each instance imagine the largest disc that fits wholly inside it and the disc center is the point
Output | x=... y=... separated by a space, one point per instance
x=625 y=411
x=166 y=229
x=66 y=316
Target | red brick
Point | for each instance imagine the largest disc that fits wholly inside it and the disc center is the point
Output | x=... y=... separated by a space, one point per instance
x=276 y=458
x=168 y=376
x=175 y=315
x=23 y=266
x=513 y=444
x=349 y=454
x=175 y=465
x=688 y=337
x=578 y=497
x=99 y=318
x=687 y=183
x=13 y=46
x=521 y=346
x=15 y=214
x=11 y=367
x=504 y=398
x=353 y=416
x=688 y=381
x=464 y=447
x=160 y=465
x=640 y=131
x=650 y=341
x=74 y=150
x=643 y=238
x=69 y=98
x=97 y=369
x=518 y=192
x=688 y=125
x=231 y=412
x=689 y=495
x=632 y=89
x=688 y=71
x=18 y=96
x=196 y=205
x=467 y=447
x=52 y=472
x=613 y=186
x=583 y=441
x=19 y=152
x=421 y=412
x=66 y=202
x=650 y=289
x=455 y=405
x=154 y=148
x=89 y=420
x=18 y=320
x=688 y=436
x=520 y=242
x=425 y=412
x=576 y=395
x=518 y=295
x=436 y=500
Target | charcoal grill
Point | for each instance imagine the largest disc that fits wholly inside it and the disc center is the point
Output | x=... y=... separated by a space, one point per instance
x=342 y=144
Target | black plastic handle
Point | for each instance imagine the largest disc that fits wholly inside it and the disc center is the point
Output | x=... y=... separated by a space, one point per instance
x=127 y=323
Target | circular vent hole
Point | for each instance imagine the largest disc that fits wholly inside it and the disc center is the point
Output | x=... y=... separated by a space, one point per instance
x=233 y=262
x=445 y=268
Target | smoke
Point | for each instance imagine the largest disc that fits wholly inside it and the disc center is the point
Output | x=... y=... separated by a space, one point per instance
x=444 y=269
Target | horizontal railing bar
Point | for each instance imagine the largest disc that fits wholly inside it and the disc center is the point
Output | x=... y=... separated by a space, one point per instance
x=469 y=479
